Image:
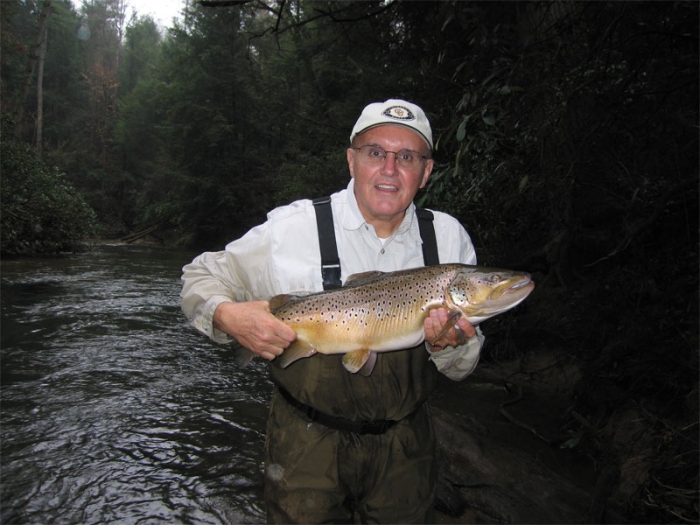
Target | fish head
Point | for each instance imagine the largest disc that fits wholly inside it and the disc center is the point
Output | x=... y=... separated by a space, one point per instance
x=481 y=293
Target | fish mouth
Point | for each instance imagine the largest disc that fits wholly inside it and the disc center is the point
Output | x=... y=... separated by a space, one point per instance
x=525 y=281
x=516 y=291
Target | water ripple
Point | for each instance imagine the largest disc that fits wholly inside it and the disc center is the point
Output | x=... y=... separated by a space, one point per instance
x=113 y=409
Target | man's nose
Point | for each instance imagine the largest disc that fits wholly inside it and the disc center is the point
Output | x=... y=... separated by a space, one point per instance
x=389 y=165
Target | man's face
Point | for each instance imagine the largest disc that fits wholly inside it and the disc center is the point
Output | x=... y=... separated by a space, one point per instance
x=384 y=190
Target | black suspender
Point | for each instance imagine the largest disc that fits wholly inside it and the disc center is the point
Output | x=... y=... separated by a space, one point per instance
x=427 y=233
x=330 y=263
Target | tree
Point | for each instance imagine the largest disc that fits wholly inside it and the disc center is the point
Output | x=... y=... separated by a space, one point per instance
x=39 y=209
x=36 y=60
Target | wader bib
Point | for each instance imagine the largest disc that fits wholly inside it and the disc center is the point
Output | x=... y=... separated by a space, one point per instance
x=340 y=443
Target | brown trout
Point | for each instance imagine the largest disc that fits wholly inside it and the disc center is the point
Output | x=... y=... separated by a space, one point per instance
x=381 y=312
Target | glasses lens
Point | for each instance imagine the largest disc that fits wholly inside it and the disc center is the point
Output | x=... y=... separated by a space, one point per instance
x=376 y=154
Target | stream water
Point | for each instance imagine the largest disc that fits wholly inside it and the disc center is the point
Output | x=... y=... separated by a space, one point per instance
x=114 y=410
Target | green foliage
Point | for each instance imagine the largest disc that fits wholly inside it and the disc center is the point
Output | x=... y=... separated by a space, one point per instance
x=40 y=212
x=552 y=130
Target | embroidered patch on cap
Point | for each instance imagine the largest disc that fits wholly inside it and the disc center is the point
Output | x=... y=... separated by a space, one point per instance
x=399 y=113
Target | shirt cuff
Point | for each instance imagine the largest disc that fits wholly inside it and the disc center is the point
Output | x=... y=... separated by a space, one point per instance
x=458 y=362
x=204 y=320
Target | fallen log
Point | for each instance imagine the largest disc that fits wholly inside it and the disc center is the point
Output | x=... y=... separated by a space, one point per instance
x=132 y=237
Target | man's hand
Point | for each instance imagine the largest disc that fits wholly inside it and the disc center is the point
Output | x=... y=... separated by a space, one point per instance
x=253 y=326
x=455 y=336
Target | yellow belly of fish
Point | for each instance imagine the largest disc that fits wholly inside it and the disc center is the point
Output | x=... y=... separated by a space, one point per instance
x=334 y=342
x=359 y=332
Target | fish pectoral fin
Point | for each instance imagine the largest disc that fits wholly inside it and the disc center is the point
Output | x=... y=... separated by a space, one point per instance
x=354 y=361
x=452 y=318
x=297 y=350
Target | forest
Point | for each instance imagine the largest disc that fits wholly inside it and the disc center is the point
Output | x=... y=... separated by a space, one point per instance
x=566 y=143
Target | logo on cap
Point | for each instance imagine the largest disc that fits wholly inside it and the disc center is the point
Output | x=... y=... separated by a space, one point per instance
x=399 y=113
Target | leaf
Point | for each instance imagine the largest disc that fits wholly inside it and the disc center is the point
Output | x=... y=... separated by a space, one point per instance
x=571 y=443
x=462 y=129
x=523 y=184
x=489 y=120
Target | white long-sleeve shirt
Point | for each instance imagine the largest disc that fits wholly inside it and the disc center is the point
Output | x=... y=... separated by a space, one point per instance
x=282 y=256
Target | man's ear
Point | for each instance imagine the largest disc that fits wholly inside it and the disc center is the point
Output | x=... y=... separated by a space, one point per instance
x=351 y=161
x=426 y=173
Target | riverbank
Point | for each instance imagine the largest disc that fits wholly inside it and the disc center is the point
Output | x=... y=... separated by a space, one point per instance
x=506 y=455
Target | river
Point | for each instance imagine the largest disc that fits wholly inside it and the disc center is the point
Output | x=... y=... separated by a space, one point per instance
x=114 y=410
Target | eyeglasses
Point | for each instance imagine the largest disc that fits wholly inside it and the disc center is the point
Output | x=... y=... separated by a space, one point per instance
x=407 y=158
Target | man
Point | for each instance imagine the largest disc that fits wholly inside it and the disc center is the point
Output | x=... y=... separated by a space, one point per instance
x=342 y=446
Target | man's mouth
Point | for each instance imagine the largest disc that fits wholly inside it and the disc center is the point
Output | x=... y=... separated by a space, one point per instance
x=386 y=187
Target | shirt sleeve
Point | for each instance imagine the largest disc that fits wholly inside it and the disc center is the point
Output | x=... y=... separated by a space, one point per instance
x=216 y=277
x=456 y=246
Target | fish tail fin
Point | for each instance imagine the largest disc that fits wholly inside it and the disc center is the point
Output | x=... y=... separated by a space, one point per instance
x=241 y=355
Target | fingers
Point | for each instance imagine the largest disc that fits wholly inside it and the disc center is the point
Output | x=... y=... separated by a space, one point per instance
x=269 y=340
x=253 y=326
x=455 y=335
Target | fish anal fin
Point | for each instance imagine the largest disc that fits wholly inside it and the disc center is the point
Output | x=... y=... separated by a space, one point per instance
x=299 y=349
x=354 y=361
x=452 y=318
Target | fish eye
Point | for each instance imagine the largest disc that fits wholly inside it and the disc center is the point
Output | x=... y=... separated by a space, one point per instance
x=495 y=279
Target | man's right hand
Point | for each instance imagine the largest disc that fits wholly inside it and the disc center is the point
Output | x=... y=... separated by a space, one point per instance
x=253 y=326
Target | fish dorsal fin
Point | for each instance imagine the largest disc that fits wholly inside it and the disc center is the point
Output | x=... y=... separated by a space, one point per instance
x=359 y=278
x=297 y=350
x=278 y=301
x=354 y=361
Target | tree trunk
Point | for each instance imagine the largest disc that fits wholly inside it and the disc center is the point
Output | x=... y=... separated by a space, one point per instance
x=40 y=94
x=32 y=65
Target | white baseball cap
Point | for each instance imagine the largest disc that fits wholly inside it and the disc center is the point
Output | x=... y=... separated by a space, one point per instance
x=394 y=112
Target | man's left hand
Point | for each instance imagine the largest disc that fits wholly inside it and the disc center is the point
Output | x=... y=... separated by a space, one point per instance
x=455 y=336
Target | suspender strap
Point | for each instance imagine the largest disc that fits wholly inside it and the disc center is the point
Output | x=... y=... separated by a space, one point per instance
x=427 y=233
x=330 y=263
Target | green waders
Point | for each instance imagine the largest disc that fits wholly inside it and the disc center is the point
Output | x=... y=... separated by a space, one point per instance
x=318 y=474
x=315 y=474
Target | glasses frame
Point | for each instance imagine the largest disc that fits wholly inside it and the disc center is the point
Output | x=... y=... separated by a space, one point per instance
x=396 y=154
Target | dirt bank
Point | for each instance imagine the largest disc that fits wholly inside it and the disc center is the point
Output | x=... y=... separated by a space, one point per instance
x=507 y=456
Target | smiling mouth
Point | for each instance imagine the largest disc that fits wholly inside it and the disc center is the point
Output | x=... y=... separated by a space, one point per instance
x=386 y=187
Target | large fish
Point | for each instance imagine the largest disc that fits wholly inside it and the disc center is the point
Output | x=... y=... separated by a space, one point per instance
x=380 y=312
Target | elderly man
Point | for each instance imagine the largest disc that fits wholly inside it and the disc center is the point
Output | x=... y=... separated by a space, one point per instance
x=344 y=446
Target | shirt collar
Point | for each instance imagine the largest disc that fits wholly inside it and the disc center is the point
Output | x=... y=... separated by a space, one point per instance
x=352 y=218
